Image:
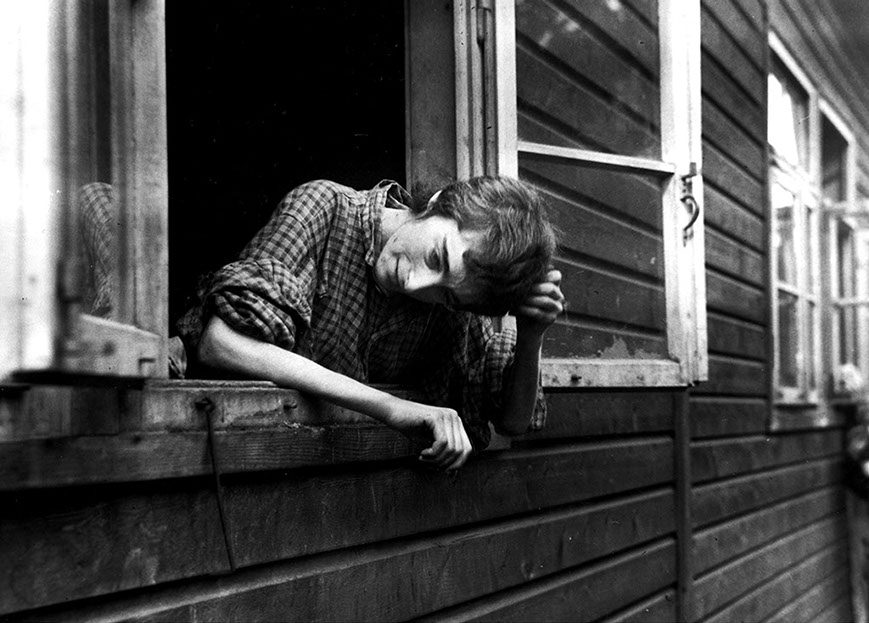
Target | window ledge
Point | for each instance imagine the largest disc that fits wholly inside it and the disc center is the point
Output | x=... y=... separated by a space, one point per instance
x=103 y=435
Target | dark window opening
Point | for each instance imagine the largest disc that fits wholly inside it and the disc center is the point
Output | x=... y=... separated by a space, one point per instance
x=263 y=97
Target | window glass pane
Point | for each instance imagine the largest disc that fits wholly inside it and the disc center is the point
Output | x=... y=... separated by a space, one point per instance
x=784 y=206
x=588 y=75
x=96 y=217
x=788 y=342
x=611 y=256
x=788 y=111
x=834 y=148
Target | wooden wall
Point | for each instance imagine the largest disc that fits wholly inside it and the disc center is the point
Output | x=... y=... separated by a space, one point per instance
x=767 y=508
x=611 y=513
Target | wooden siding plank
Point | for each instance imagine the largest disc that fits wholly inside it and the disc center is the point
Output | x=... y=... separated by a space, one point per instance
x=131 y=536
x=724 y=294
x=731 y=180
x=733 y=141
x=755 y=11
x=725 y=584
x=719 y=417
x=750 y=38
x=719 y=500
x=734 y=377
x=838 y=611
x=583 y=595
x=658 y=608
x=567 y=42
x=724 y=542
x=734 y=259
x=616 y=298
x=786 y=587
x=732 y=337
x=599 y=235
x=575 y=111
x=590 y=414
x=422 y=575
x=623 y=27
x=813 y=605
x=729 y=54
x=576 y=337
x=730 y=457
x=630 y=197
x=727 y=216
x=728 y=95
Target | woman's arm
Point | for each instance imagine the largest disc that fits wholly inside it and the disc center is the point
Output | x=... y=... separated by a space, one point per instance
x=534 y=316
x=225 y=348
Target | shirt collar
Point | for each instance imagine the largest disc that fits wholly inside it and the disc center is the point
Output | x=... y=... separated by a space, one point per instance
x=387 y=194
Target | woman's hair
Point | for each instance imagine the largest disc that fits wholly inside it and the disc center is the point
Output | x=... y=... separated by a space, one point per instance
x=518 y=238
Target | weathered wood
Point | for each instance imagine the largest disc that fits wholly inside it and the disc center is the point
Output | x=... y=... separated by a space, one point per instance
x=832 y=594
x=570 y=43
x=750 y=38
x=720 y=500
x=728 y=336
x=839 y=611
x=729 y=54
x=582 y=595
x=730 y=457
x=152 y=533
x=785 y=588
x=729 y=256
x=577 y=111
x=735 y=298
x=724 y=542
x=656 y=609
x=726 y=583
x=725 y=215
x=805 y=418
x=589 y=413
x=374 y=583
x=754 y=11
x=734 y=377
x=729 y=179
x=718 y=417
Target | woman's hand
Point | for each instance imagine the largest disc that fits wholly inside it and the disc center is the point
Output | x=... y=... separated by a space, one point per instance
x=543 y=305
x=440 y=426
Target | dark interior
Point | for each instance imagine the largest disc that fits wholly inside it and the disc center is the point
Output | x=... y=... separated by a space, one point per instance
x=263 y=96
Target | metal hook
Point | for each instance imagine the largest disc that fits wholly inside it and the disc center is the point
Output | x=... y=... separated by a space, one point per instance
x=689 y=200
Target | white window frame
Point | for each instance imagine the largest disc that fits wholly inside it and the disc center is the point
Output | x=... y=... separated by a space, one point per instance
x=805 y=185
x=42 y=327
x=684 y=256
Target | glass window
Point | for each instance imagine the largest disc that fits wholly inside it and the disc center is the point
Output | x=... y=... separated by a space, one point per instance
x=788 y=111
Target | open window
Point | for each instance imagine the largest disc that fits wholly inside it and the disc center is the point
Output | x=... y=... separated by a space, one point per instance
x=598 y=106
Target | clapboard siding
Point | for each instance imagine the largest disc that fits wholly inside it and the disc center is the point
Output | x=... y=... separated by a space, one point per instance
x=140 y=537
x=659 y=608
x=829 y=598
x=719 y=544
x=728 y=336
x=583 y=595
x=729 y=582
x=717 y=501
x=786 y=587
x=714 y=416
x=411 y=577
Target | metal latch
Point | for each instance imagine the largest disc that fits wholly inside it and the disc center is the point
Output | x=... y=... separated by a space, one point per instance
x=688 y=199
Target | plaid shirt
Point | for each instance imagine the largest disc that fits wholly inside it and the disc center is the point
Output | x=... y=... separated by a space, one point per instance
x=304 y=283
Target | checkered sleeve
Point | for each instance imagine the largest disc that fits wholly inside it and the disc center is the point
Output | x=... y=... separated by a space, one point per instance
x=267 y=293
x=98 y=211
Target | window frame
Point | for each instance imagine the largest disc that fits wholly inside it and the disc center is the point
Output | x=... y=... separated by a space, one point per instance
x=54 y=336
x=681 y=162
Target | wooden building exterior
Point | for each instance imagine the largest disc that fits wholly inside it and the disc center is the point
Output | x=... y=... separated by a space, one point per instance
x=693 y=463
